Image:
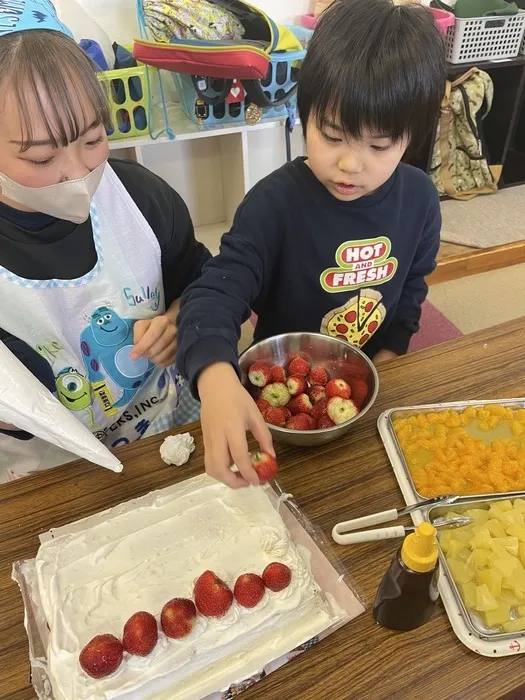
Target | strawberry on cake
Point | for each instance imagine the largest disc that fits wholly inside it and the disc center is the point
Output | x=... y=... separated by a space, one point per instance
x=175 y=595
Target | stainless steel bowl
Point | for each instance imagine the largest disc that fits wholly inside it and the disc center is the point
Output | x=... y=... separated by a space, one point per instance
x=326 y=351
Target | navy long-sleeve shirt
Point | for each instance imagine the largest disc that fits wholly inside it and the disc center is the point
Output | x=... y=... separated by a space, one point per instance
x=304 y=261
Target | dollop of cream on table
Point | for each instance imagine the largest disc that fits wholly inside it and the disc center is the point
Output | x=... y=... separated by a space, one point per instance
x=176 y=449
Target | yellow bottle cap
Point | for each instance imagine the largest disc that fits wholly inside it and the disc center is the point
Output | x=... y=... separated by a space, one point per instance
x=420 y=550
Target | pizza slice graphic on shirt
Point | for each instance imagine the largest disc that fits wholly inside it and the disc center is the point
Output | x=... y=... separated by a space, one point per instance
x=356 y=321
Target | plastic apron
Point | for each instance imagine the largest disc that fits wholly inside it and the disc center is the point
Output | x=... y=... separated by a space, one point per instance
x=84 y=327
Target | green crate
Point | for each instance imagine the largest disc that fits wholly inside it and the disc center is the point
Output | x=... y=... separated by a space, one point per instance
x=128 y=96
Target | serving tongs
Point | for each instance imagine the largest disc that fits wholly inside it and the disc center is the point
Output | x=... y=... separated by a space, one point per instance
x=345 y=533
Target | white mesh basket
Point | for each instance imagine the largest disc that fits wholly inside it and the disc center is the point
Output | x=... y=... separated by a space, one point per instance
x=486 y=38
x=522 y=49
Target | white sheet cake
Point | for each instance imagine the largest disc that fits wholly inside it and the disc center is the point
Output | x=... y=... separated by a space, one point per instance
x=91 y=581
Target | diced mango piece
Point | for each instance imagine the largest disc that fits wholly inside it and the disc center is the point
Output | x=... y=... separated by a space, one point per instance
x=497 y=617
x=484 y=599
x=492 y=579
x=461 y=572
x=514 y=625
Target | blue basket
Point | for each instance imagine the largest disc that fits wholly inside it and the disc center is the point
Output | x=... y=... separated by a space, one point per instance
x=282 y=76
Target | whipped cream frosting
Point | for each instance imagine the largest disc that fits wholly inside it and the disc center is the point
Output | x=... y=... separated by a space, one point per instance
x=92 y=580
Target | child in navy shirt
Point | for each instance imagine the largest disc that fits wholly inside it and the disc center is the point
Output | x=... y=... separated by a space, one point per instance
x=339 y=242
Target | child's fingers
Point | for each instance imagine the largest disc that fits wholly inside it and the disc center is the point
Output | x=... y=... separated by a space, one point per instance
x=217 y=462
x=144 y=342
x=240 y=455
x=261 y=433
x=164 y=343
x=167 y=357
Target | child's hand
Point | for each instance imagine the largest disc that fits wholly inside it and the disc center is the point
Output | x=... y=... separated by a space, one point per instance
x=227 y=412
x=155 y=339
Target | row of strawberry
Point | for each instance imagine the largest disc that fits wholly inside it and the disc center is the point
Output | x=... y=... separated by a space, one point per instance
x=103 y=655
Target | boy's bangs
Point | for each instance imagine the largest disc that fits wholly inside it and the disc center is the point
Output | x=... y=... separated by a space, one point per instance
x=59 y=91
x=374 y=67
x=357 y=104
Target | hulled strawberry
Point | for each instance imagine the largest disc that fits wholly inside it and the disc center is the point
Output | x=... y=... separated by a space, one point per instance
x=299 y=366
x=260 y=374
x=140 y=634
x=338 y=387
x=265 y=465
x=300 y=404
x=277 y=576
x=319 y=409
x=212 y=596
x=276 y=394
x=359 y=391
x=296 y=385
x=316 y=393
x=178 y=617
x=101 y=656
x=301 y=421
x=325 y=422
x=277 y=416
x=318 y=375
x=341 y=410
x=248 y=590
x=262 y=405
x=278 y=374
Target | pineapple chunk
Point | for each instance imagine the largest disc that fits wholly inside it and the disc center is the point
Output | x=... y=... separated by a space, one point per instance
x=479 y=558
x=461 y=572
x=515 y=625
x=484 y=599
x=521 y=610
x=468 y=593
x=505 y=566
x=516 y=530
x=479 y=515
x=495 y=528
x=508 y=543
x=444 y=540
x=495 y=618
x=519 y=505
x=516 y=581
x=505 y=506
x=457 y=550
x=482 y=540
x=492 y=579
x=510 y=598
x=521 y=552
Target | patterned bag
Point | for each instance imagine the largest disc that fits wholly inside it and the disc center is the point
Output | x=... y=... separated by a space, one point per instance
x=190 y=19
x=459 y=161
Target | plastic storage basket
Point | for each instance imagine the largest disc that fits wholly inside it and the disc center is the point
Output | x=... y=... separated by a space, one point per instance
x=485 y=38
x=522 y=49
x=128 y=96
x=282 y=74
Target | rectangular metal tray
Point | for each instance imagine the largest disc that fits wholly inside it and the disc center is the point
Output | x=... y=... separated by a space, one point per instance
x=387 y=418
x=474 y=623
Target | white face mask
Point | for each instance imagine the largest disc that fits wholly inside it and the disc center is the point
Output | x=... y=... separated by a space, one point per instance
x=68 y=200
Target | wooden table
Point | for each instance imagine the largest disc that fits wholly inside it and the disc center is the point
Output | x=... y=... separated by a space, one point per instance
x=347 y=479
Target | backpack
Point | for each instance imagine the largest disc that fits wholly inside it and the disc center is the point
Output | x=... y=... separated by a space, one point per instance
x=459 y=165
x=190 y=19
